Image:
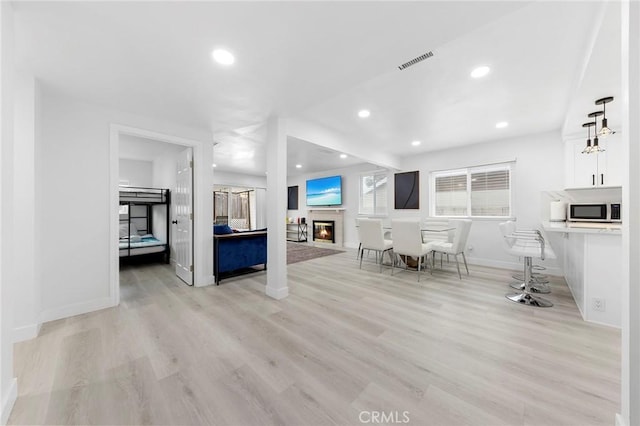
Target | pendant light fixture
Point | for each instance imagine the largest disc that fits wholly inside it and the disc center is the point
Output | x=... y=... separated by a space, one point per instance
x=596 y=148
x=589 y=125
x=605 y=130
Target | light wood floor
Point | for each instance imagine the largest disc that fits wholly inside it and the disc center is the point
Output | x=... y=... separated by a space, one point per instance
x=346 y=341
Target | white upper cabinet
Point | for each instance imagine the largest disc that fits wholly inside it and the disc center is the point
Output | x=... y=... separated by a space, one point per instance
x=594 y=170
x=613 y=169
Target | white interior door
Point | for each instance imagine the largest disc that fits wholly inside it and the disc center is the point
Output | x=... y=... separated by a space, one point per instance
x=183 y=220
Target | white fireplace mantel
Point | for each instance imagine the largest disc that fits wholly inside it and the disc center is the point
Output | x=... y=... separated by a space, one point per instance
x=326 y=209
x=333 y=214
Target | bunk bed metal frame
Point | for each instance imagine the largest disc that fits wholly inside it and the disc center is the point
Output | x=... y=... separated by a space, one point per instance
x=148 y=197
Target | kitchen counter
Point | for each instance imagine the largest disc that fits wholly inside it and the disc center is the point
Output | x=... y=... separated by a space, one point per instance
x=592 y=267
x=583 y=228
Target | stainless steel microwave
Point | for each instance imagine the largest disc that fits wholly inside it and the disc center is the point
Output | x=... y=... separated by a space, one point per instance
x=594 y=212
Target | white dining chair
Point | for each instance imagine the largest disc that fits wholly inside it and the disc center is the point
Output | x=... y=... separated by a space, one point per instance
x=407 y=241
x=459 y=243
x=372 y=238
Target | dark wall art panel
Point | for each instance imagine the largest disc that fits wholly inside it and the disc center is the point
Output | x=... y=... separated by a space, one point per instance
x=407 y=190
x=292 y=198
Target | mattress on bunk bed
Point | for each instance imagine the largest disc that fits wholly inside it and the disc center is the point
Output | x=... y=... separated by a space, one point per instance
x=147 y=244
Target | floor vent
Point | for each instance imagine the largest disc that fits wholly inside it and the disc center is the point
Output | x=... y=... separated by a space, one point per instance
x=415 y=60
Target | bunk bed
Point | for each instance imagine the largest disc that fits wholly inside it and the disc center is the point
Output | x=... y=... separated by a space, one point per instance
x=139 y=208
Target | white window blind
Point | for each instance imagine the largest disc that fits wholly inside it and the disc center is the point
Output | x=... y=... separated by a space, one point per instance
x=373 y=193
x=490 y=193
x=472 y=192
x=451 y=194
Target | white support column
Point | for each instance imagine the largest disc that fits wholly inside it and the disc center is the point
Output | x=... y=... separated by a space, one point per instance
x=630 y=366
x=276 y=208
x=27 y=294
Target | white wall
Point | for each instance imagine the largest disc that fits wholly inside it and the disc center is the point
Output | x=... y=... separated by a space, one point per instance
x=8 y=276
x=136 y=173
x=74 y=175
x=630 y=365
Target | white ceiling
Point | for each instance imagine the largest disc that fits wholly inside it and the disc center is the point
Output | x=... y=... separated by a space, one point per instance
x=320 y=62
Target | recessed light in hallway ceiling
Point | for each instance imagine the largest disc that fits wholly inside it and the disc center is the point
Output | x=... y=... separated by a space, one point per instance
x=298 y=166
x=501 y=125
x=343 y=156
x=223 y=57
x=364 y=113
x=480 y=72
x=416 y=143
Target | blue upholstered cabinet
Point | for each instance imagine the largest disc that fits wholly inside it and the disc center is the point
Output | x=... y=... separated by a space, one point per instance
x=238 y=250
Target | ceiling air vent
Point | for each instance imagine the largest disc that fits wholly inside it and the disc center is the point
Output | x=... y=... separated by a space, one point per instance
x=415 y=60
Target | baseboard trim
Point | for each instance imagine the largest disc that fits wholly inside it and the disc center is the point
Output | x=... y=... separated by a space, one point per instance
x=277 y=293
x=27 y=332
x=500 y=264
x=620 y=421
x=8 y=402
x=551 y=270
x=77 y=309
x=603 y=323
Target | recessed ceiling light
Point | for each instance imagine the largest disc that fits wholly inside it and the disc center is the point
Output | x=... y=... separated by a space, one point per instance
x=364 y=113
x=501 y=125
x=298 y=166
x=214 y=165
x=223 y=57
x=343 y=156
x=416 y=143
x=480 y=72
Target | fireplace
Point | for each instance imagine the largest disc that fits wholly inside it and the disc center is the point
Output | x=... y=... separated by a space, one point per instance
x=323 y=231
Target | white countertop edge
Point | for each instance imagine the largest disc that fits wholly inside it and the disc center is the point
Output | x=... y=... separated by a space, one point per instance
x=591 y=228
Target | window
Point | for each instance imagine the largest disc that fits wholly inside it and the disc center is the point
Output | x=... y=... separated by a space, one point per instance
x=373 y=193
x=233 y=207
x=472 y=192
x=239 y=211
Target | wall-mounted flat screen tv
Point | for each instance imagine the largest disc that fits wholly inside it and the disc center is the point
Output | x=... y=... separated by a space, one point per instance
x=324 y=191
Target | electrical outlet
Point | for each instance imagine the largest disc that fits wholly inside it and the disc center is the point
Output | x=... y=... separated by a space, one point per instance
x=598 y=304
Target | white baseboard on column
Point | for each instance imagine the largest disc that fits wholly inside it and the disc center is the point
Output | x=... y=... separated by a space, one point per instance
x=207 y=280
x=27 y=332
x=77 y=309
x=8 y=401
x=277 y=293
x=620 y=421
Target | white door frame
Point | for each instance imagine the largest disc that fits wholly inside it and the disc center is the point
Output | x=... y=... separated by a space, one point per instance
x=200 y=251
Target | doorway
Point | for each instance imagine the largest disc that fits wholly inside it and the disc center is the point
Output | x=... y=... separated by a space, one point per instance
x=153 y=162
